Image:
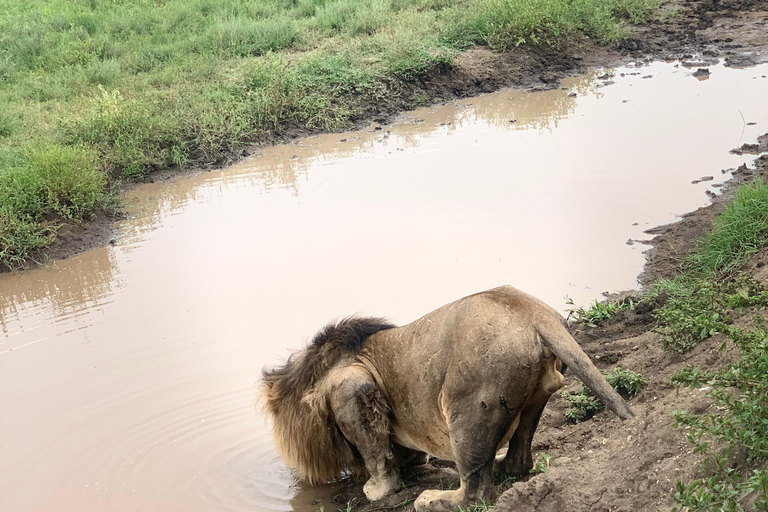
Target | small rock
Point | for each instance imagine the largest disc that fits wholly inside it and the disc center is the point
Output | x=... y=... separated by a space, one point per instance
x=112 y=241
x=701 y=72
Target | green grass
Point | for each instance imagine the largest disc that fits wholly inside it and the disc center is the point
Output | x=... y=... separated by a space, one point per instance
x=146 y=85
x=737 y=233
x=584 y=404
x=711 y=289
x=598 y=313
x=700 y=300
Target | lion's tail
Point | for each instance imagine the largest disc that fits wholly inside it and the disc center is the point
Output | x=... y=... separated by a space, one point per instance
x=559 y=341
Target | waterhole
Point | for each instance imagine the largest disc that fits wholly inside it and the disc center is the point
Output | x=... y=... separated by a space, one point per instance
x=128 y=373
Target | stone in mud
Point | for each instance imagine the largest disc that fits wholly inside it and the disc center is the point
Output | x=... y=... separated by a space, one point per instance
x=701 y=72
x=529 y=496
x=750 y=149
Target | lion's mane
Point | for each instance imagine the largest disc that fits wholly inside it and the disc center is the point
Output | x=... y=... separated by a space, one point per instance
x=304 y=431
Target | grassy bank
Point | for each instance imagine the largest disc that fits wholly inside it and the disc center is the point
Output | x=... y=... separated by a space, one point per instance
x=711 y=291
x=105 y=89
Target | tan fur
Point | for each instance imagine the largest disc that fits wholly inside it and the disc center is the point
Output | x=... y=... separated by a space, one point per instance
x=458 y=383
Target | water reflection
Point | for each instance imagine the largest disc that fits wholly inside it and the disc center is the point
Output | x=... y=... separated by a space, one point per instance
x=286 y=167
x=62 y=291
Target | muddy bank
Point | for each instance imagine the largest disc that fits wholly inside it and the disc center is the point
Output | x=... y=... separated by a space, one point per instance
x=697 y=32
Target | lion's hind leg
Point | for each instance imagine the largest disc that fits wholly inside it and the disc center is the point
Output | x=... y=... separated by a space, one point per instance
x=362 y=414
x=519 y=459
x=476 y=428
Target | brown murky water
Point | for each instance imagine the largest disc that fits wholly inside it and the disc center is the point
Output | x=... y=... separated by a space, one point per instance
x=127 y=374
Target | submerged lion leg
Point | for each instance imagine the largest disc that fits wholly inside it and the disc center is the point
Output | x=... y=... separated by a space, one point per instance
x=362 y=414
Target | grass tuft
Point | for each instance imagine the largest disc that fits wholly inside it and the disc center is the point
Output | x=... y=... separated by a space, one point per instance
x=737 y=233
x=598 y=313
x=584 y=404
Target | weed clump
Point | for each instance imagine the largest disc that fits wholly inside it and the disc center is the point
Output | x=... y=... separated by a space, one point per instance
x=584 y=404
x=738 y=420
x=40 y=184
x=598 y=313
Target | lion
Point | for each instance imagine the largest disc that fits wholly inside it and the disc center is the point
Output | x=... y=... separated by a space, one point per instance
x=458 y=384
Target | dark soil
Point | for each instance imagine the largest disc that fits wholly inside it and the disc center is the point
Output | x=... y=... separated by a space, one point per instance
x=697 y=32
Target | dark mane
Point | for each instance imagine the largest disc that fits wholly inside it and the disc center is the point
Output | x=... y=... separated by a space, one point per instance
x=330 y=345
x=305 y=434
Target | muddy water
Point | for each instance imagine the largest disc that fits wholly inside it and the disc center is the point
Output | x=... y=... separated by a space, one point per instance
x=127 y=373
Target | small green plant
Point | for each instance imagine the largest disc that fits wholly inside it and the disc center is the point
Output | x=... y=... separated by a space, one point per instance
x=480 y=507
x=541 y=465
x=8 y=124
x=739 y=420
x=598 y=313
x=584 y=404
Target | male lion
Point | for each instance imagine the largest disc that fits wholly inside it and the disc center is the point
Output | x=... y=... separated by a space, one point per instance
x=457 y=383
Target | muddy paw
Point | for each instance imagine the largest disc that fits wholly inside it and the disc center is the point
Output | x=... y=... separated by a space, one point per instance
x=377 y=488
x=439 y=501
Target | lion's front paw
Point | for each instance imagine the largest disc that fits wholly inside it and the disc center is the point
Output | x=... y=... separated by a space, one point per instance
x=439 y=501
x=377 y=488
